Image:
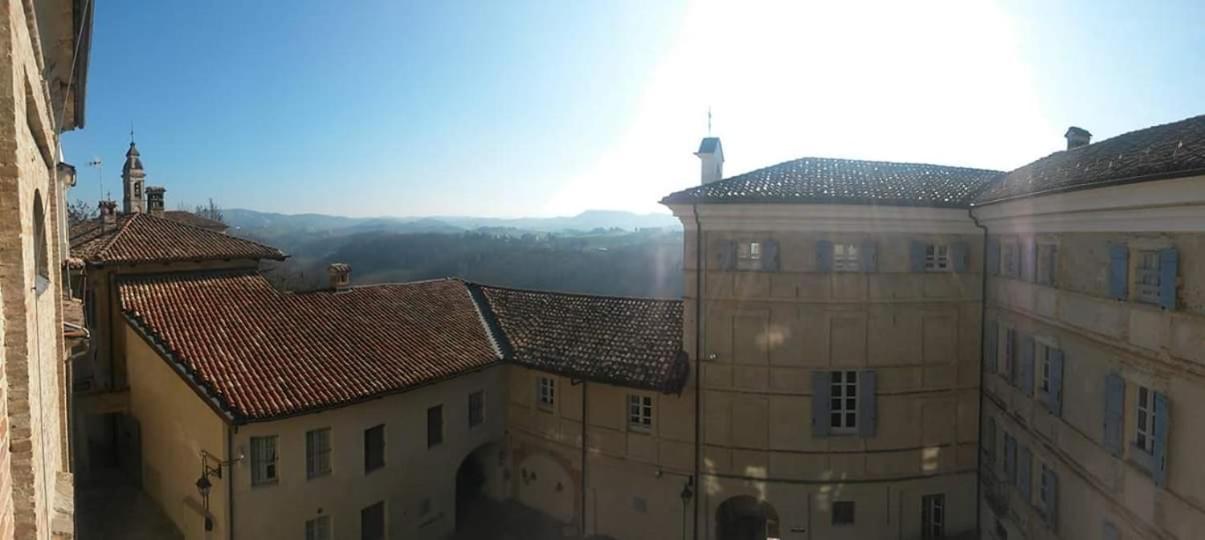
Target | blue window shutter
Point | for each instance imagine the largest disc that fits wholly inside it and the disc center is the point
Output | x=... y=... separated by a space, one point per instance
x=991 y=333
x=917 y=258
x=728 y=255
x=1054 y=399
x=769 y=255
x=1030 y=258
x=870 y=257
x=1052 y=497
x=1115 y=388
x=960 y=256
x=1026 y=371
x=820 y=403
x=1119 y=271
x=824 y=256
x=867 y=411
x=991 y=259
x=1010 y=350
x=1025 y=473
x=1010 y=459
x=1052 y=265
x=1161 y=427
x=1169 y=261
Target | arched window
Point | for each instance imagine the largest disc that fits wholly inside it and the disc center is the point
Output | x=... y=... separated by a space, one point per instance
x=40 y=252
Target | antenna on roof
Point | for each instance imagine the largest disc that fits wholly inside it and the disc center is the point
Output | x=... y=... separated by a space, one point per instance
x=100 y=175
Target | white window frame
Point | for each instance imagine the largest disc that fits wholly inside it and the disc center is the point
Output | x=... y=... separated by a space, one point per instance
x=317 y=452
x=546 y=392
x=640 y=412
x=937 y=257
x=748 y=255
x=1041 y=353
x=843 y=402
x=1144 y=420
x=847 y=257
x=264 y=460
x=934 y=515
x=319 y=528
x=1147 y=276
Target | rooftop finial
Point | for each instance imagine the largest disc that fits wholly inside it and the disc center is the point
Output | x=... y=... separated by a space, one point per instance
x=131 y=133
x=709 y=120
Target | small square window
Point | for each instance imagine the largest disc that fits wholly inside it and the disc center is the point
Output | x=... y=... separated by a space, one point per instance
x=937 y=257
x=748 y=255
x=843 y=512
x=846 y=258
x=640 y=412
x=546 y=393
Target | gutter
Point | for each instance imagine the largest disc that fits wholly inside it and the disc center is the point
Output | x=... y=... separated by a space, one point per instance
x=982 y=377
x=230 y=482
x=699 y=364
x=1093 y=185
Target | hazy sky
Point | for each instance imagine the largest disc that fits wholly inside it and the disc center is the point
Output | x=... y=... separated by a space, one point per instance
x=540 y=108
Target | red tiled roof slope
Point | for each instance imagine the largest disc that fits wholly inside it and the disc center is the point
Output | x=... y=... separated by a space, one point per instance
x=633 y=342
x=1167 y=150
x=264 y=354
x=140 y=238
x=191 y=218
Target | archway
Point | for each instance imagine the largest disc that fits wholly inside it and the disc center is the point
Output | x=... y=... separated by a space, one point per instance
x=470 y=489
x=746 y=518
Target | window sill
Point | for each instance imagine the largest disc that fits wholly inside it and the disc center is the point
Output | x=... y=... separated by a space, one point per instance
x=545 y=408
x=639 y=430
x=317 y=476
x=265 y=484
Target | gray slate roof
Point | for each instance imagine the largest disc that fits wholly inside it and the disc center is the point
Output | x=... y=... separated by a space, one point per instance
x=1165 y=151
x=845 y=181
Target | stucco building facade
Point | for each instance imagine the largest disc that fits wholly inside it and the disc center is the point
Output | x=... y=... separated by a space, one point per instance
x=864 y=350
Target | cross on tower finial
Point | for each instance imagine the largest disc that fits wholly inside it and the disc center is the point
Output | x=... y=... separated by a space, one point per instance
x=709 y=120
x=131 y=133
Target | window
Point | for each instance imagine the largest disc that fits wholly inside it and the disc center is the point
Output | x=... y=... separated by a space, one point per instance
x=843 y=512
x=1008 y=366
x=40 y=248
x=263 y=460
x=318 y=528
x=640 y=412
x=933 y=517
x=476 y=408
x=1144 y=433
x=1148 y=277
x=748 y=255
x=1042 y=351
x=372 y=522
x=546 y=392
x=1011 y=259
x=435 y=426
x=1047 y=263
x=317 y=452
x=846 y=258
x=937 y=257
x=989 y=442
x=1045 y=488
x=843 y=413
x=374 y=448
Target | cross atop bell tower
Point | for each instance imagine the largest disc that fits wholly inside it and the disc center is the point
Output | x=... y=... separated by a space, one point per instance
x=133 y=180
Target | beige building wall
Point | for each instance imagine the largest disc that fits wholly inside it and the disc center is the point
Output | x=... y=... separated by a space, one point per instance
x=633 y=477
x=766 y=333
x=35 y=482
x=1145 y=345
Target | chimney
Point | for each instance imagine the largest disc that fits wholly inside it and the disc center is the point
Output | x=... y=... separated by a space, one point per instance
x=108 y=212
x=340 y=274
x=154 y=200
x=1077 y=137
x=711 y=157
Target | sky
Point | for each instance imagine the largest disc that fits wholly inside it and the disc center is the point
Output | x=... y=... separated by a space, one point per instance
x=541 y=108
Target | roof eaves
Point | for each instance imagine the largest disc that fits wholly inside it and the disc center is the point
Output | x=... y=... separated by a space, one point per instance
x=1092 y=185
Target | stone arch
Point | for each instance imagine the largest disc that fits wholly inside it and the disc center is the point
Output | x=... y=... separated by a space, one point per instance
x=41 y=249
x=746 y=518
x=478 y=481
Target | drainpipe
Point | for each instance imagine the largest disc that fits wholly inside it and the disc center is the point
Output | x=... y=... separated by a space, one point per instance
x=979 y=423
x=583 y=513
x=230 y=482
x=698 y=364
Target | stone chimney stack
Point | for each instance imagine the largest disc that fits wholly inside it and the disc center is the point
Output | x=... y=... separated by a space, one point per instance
x=108 y=212
x=340 y=274
x=1077 y=137
x=154 y=200
x=711 y=157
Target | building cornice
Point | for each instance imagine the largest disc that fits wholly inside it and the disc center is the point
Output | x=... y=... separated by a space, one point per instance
x=1174 y=205
x=825 y=217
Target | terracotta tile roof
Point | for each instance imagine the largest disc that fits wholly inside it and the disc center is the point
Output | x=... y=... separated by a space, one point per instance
x=263 y=354
x=136 y=238
x=1169 y=150
x=190 y=218
x=845 y=181
x=633 y=342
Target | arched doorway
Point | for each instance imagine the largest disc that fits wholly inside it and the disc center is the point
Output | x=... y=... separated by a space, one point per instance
x=746 y=518
x=470 y=490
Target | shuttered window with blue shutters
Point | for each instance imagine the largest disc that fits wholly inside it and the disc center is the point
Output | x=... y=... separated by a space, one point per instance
x=844 y=403
x=824 y=256
x=1169 y=264
x=1050 y=391
x=1114 y=416
x=1119 y=271
x=1151 y=428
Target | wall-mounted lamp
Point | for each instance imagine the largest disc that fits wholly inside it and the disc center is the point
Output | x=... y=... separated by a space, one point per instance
x=211 y=466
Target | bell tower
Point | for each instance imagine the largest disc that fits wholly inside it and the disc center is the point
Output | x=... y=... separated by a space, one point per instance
x=133 y=180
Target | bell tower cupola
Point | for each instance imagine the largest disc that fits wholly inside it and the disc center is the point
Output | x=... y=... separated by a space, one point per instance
x=133 y=180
